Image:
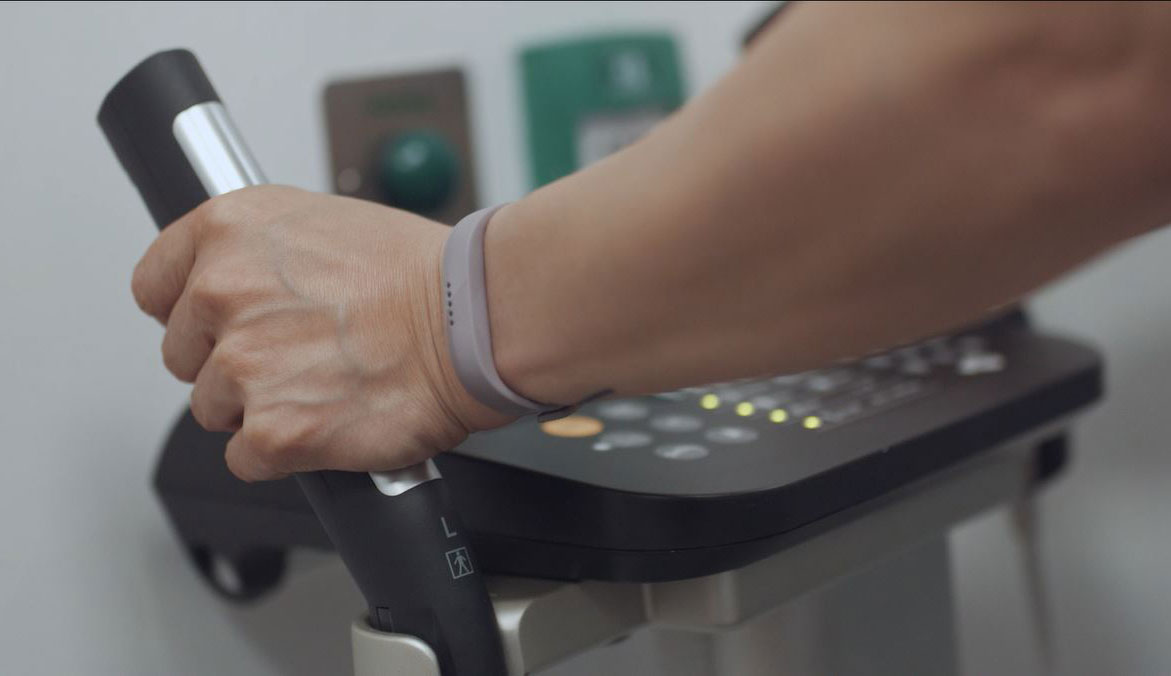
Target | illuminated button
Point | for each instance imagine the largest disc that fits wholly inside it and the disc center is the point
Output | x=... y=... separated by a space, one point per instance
x=681 y=452
x=624 y=410
x=709 y=402
x=573 y=427
x=977 y=363
x=625 y=439
x=745 y=409
x=418 y=171
x=676 y=423
x=732 y=435
x=778 y=415
x=811 y=422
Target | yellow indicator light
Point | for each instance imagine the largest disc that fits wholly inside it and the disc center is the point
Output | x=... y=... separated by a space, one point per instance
x=709 y=402
x=811 y=422
x=745 y=409
x=778 y=415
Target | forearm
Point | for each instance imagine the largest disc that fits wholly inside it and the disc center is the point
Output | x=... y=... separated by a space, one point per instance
x=868 y=176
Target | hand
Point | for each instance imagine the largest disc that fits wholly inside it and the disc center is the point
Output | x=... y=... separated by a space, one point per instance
x=312 y=327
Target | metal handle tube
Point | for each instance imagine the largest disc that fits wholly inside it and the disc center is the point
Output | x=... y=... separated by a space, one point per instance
x=395 y=531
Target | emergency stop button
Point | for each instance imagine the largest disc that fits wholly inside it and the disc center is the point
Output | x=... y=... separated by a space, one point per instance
x=418 y=171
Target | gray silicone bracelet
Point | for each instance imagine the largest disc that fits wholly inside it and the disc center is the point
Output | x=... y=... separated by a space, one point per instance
x=469 y=334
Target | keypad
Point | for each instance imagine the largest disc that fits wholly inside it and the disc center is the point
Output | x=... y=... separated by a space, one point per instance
x=695 y=422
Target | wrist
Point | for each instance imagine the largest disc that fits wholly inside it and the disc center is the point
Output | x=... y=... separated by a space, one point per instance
x=449 y=391
x=530 y=356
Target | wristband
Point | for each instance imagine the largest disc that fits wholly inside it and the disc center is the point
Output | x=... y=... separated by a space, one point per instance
x=469 y=332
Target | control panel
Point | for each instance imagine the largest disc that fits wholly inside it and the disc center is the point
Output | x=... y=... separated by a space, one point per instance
x=755 y=434
x=404 y=140
x=741 y=412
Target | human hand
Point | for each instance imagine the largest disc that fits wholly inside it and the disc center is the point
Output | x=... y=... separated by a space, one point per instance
x=312 y=327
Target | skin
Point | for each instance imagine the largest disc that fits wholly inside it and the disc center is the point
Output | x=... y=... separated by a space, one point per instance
x=828 y=198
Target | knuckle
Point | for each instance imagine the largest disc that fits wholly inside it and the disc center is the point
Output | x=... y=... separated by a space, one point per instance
x=237 y=358
x=199 y=410
x=280 y=443
x=219 y=212
x=139 y=287
x=179 y=367
x=263 y=441
x=212 y=293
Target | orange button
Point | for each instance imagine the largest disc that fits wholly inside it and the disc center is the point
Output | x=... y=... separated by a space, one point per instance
x=573 y=427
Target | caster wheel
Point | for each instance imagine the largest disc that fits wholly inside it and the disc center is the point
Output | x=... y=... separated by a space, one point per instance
x=241 y=577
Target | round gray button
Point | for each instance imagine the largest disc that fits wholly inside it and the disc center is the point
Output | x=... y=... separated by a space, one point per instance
x=681 y=452
x=676 y=423
x=732 y=435
x=916 y=367
x=626 y=438
x=623 y=410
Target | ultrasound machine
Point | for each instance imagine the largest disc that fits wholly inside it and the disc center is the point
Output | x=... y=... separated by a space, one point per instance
x=790 y=524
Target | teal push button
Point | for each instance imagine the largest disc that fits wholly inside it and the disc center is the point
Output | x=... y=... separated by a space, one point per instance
x=418 y=171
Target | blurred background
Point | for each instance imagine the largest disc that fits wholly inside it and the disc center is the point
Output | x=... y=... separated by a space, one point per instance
x=92 y=580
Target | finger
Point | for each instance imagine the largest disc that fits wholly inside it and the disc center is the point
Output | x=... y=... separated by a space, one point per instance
x=188 y=341
x=269 y=446
x=216 y=399
x=161 y=275
x=244 y=461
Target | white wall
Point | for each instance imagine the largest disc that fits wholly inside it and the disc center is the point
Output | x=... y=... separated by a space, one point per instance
x=91 y=581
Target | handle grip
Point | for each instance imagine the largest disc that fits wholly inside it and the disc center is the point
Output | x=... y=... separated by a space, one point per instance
x=395 y=531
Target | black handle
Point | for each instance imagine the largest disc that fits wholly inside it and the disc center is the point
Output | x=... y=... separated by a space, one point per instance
x=412 y=560
x=401 y=541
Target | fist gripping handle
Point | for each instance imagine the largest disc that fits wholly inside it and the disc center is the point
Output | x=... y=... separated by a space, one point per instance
x=395 y=531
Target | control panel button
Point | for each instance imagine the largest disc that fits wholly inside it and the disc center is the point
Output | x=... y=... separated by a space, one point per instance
x=418 y=171
x=879 y=361
x=676 y=423
x=681 y=452
x=626 y=439
x=732 y=435
x=829 y=381
x=800 y=408
x=573 y=427
x=915 y=366
x=624 y=410
x=977 y=363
